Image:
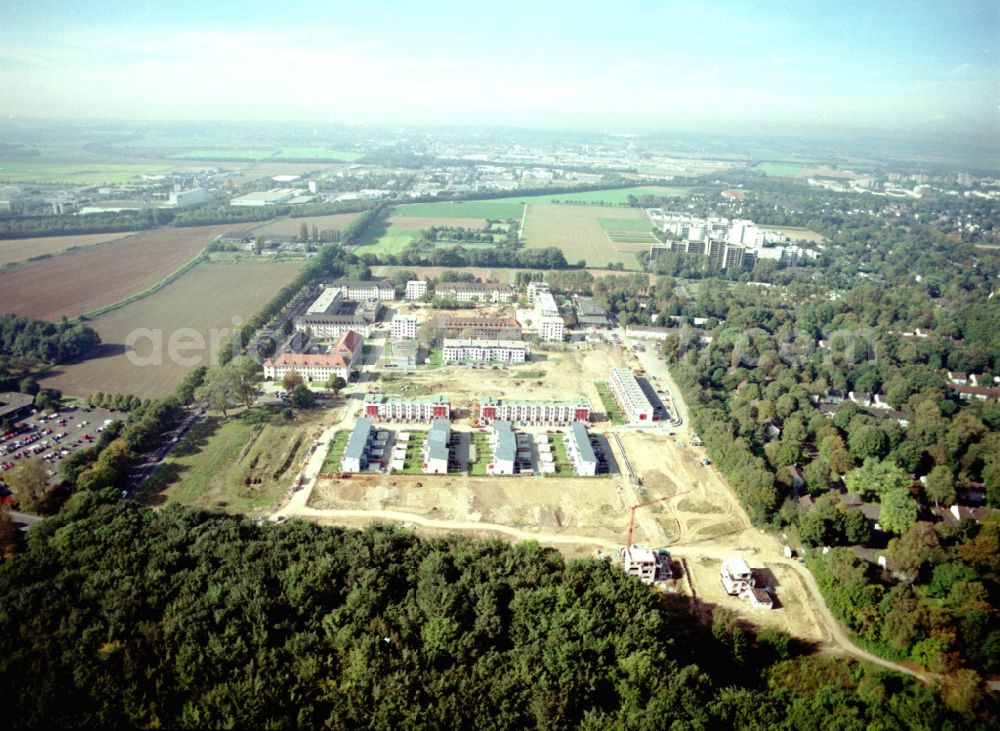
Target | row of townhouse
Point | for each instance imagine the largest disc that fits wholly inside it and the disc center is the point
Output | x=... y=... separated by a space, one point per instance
x=580 y=451
x=630 y=396
x=462 y=350
x=545 y=413
x=436 y=451
x=393 y=407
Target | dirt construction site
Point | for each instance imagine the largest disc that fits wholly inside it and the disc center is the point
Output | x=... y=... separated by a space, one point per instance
x=699 y=521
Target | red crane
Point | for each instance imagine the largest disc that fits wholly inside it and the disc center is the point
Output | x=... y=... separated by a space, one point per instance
x=631 y=517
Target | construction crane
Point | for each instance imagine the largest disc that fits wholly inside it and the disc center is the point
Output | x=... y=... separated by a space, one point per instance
x=631 y=517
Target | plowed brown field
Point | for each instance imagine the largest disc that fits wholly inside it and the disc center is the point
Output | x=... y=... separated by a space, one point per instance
x=79 y=282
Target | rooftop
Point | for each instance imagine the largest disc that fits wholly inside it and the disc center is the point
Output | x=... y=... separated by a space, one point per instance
x=358 y=440
x=506 y=447
x=582 y=440
x=385 y=398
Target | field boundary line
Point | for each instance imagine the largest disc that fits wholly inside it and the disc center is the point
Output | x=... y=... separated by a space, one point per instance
x=72 y=250
x=202 y=256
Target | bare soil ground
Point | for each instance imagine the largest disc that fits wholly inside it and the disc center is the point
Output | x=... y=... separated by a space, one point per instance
x=15 y=250
x=292 y=226
x=79 y=282
x=207 y=297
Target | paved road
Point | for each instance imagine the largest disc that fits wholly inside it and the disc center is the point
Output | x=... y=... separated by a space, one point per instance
x=142 y=472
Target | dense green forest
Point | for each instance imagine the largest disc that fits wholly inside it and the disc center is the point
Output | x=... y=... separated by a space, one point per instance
x=45 y=342
x=119 y=616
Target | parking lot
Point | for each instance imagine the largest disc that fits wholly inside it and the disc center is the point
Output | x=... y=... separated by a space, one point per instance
x=53 y=436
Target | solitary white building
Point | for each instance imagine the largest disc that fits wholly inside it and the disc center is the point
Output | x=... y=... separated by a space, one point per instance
x=437 y=450
x=581 y=451
x=403 y=327
x=737 y=578
x=415 y=289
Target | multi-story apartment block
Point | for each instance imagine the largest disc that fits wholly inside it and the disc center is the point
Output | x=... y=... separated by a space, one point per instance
x=358 y=290
x=328 y=327
x=456 y=350
x=475 y=292
x=392 y=407
x=630 y=396
x=487 y=328
x=545 y=413
x=403 y=327
x=415 y=289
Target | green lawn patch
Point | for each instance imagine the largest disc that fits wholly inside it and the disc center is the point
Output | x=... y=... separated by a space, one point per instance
x=625 y=224
x=610 y=405
x=223 y=154
x=778 y=169
x=484 y=454
x=331 y=464
x=559 y=457
x=389 y=241
x=239 y=465
x=501 y=209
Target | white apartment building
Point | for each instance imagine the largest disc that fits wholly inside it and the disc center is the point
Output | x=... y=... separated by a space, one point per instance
x=504 y=445
x=437 y=449
x=630 y=396
x=551 y=327
x=542 y=413
x=329 y=327
x=393 y=407
x=310 y=367
x=415 y=289
x=403 y=327
x=357 y=290
x=580 y=450
x=462 y=350
x=474 y=292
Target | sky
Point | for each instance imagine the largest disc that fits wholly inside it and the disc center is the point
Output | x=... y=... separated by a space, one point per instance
x=907 y=68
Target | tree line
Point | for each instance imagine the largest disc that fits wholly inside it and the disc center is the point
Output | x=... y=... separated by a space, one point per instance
x=121 y=616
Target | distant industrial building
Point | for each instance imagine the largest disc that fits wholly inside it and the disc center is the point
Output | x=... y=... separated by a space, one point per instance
x=457 y=350
x=580 y=450
x=184 y=198
x=630 y=396
x=355 y=457
x=273 y=197
x=437 y=448
x=538 y=413
x=391 y=407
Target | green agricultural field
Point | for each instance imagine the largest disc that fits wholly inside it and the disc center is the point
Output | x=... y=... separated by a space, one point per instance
x=316 y=153
x=625 y=224
x=239 y=465
x=779 y=169
x=500 y=209
x=616 y=196
x=222 y=154
x=577 y=232
x=83 y=173
x=390 y=241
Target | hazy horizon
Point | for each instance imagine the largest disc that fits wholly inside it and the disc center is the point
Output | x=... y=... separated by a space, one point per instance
x=908 y=71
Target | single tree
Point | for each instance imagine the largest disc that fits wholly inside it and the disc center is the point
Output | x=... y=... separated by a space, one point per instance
x=940 y=485
x=303 y=397
x=304 y=232
x=246 y=373
x=899 y=511
x=336 y=384
x=290 y=380
x=221 y=389
x=29 y=483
